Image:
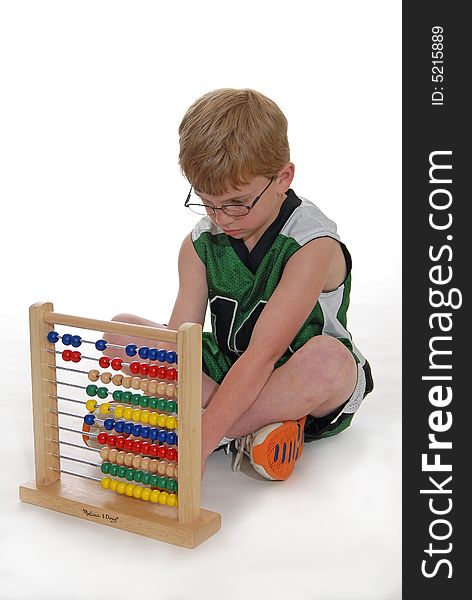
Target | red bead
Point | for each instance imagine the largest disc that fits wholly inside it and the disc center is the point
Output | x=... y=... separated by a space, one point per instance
x=152 y=372
x=120 y=441
x=102 y=437
x=136 y=446
x=67 y=355
x=111 y=441
x=153 y=449
x=171 y=454
x=161 y=372
x=134 y=367
x=128 y=445
x=76 y=356
x=161 y=451
x=171 y=373
x=104 y=362
x=116 y=364
x=143 y=368
x=145 y=447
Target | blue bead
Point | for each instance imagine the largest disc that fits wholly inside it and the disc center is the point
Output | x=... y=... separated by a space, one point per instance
x=53 y=337
x=109 y=424
x=101 y=345
x=128 y=427
x=152 y=354
x=66 y=339
x=153 y=433
x=89 y=419
x=136 y=431
x=171 y=438
x=131 y=350
x=161 y=435
x=76 y=340
x=145 y=432
x=143 y=352
x=171 y=357
x=119 y=426
x=161 y=355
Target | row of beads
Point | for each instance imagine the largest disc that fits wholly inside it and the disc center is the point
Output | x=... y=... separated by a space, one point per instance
x=136 y=461
x=144 y=352
x=169 y=373
x=129 y=428
x=137 y=491
x=134 y=399
x=137 y=446
x=137 y=383
x=137 y=415
x=144 y=477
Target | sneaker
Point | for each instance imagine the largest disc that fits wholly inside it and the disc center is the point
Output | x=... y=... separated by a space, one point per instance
x=273 y=449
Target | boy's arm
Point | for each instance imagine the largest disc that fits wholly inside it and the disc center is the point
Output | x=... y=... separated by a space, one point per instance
x=288 y=308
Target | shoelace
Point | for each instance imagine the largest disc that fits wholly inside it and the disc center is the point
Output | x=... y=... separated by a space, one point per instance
x=242 y=446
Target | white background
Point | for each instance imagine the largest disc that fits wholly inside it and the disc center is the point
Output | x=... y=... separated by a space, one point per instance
x=92 y=94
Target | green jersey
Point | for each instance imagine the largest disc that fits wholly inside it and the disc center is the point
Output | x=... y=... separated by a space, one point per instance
x=240 y=282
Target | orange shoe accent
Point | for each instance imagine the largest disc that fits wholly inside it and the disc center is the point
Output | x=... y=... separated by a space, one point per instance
x=276 y=448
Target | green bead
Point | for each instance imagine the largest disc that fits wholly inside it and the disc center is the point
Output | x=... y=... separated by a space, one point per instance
x=144 y=401
x=161 y=404
x=135 y=399
x=162 y=481
x=129 y=474
x=113 y=470
x=153 y=480
x=145 y=478
x=172 y=485
x=102 y=393
x=105 y=468
x=117 y=395
x=153 y=402
x=121 y=472
x=127 y=397
x=91 y=390
x=171 y=406
x=137 y=475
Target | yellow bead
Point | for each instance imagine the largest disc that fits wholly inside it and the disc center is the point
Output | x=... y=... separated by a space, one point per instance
x=144 y=418
x=154 y=497
x=136 y=413
x=120 y=487
x=172 y=500
x=145 y=494
x=118 y=411
x=104 y=408
x=91 y=405
x=161 y=420
x=176 y=423
x=137 y=491
x=105 y=482
x=128 y=411
x=129 y=489
x=170 y=422
x=153 y=419
x=163 y=497
x=113 y=484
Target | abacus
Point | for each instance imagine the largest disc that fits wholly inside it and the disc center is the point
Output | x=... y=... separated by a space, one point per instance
x=145 y=428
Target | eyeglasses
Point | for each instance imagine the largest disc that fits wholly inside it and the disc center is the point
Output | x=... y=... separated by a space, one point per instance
x=232 y=210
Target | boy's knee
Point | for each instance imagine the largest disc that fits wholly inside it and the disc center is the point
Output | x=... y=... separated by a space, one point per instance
x=331 y=360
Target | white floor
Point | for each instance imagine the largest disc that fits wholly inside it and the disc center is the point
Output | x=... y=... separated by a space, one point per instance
x=332 y=531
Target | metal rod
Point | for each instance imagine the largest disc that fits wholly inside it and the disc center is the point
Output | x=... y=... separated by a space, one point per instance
x=67 y=414
x=75 y=474
x=89 y=434
x=59 y=442
x=84 y=462
x=68 y=399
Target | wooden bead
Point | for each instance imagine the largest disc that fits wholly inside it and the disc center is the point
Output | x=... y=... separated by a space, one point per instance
x=161 y=388
x=136 y=461
x=171 y=471
x=93 y=375
x=135 y=382
x=143 y=385
x=126 y=382
x=176 y=393
x=105 y=377
x=120 y=458
x=104 y=452
x=112 y=455
x=117 y=379
x=153 y=466
x=161 y=467
x=145 y=463
x=129 y=459
x=152 y=387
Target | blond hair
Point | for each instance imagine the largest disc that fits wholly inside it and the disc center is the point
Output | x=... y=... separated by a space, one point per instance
x=230 y=135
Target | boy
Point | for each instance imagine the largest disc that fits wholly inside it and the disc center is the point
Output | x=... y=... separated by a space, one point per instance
x=279 y=364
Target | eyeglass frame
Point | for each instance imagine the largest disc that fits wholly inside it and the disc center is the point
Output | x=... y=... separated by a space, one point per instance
x=215 y=208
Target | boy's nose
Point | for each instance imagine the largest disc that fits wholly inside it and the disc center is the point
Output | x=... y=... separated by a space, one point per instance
x=222 y=218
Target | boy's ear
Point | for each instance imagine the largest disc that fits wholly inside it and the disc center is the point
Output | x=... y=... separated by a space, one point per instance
x=285 y=176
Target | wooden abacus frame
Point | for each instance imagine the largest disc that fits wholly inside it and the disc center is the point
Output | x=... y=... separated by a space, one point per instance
x=186 y=525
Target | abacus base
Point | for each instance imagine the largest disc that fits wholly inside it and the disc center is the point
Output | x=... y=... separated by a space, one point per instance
x=86 y=499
